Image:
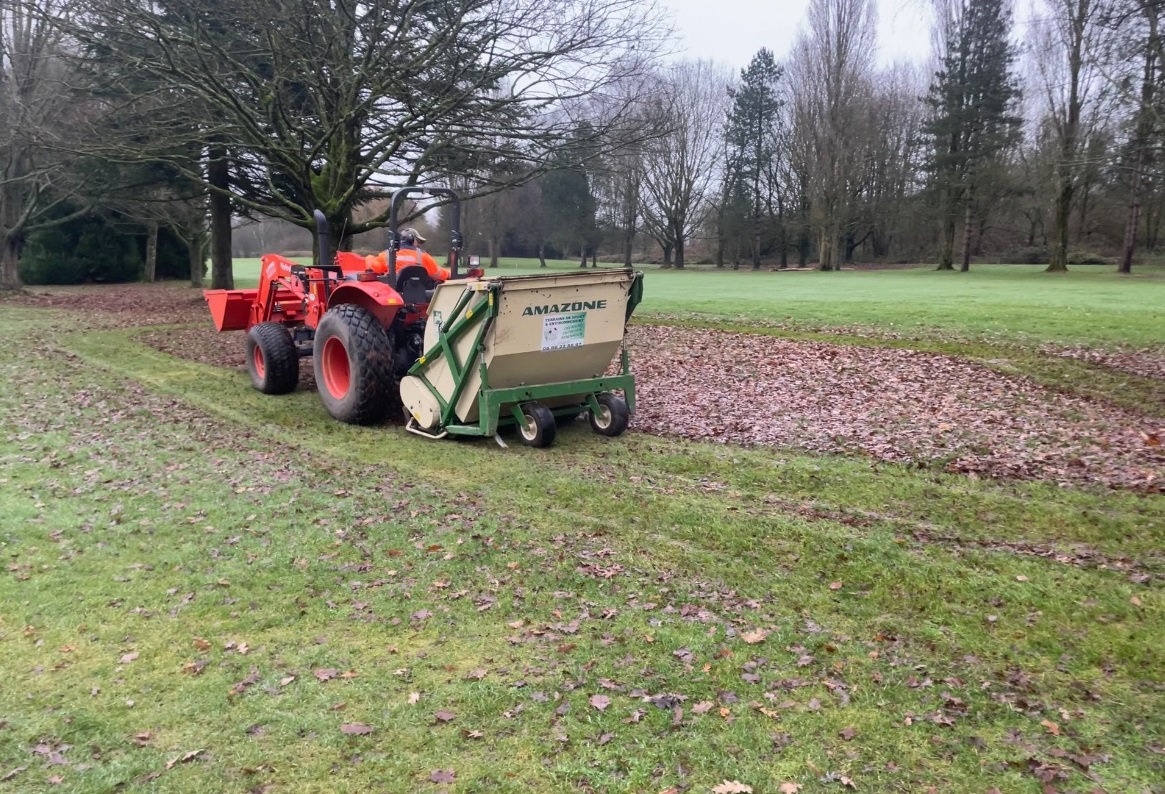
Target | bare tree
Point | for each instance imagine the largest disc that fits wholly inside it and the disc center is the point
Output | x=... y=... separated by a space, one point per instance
x=680 y=166
x=1069 y=82
x=37 y=111
x=325 y=103
x=831 y=67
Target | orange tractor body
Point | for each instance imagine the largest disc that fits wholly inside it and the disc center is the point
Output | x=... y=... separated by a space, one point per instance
x=360 y=318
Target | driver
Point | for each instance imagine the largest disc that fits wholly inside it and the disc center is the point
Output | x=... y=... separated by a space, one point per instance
x=409 y=254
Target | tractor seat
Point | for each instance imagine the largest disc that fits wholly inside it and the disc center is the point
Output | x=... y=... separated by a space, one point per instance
x=415 y=285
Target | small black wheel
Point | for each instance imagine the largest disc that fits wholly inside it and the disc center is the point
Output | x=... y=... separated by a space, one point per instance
x=353 y=365
x=540 y=427
x=612 y=416
x=272 y=361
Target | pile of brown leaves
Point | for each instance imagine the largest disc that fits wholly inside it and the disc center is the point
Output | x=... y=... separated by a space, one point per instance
x=1148 y=363
x=893 y=405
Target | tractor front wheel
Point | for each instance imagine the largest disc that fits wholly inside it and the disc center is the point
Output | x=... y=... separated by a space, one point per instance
x=613 y=415
x=353 y=365
x=272 y=361
x=538 y=427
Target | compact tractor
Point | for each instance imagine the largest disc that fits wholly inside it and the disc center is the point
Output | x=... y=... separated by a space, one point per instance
x=464 y=355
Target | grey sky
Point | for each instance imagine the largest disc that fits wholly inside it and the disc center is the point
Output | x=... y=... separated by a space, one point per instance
x=731 y=31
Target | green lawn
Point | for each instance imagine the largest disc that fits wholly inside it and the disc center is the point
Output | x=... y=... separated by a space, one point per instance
x=993 y=303
x=312 y=607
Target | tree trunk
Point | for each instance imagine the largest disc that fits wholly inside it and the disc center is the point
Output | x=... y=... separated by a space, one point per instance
x=720 y=249
x=946 y=245
x=824 y=251
x=595 y=256
x=150 y=271
x=583 y=257
x=541 y=254
x=628 y=244
x=667 y=255
x=679 y=261
x=968 y=230
x=1058 y=258
x=197 y=256
x=493 y=251
x=1130 y=243
x=218 y=175
x=10 y=263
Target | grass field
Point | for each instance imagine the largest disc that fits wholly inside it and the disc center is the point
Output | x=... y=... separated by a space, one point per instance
x=207 y=589
x=1000 y=303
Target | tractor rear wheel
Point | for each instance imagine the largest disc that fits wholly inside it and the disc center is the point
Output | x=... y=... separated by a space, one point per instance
x=539 y=428
x=352 y=357
x=613 y=415
x=272 y=361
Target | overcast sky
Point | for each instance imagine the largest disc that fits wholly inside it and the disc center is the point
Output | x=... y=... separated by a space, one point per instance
x=732 y=31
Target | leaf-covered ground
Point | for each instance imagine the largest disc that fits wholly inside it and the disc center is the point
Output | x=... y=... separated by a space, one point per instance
x=890 y=404
x=207 y=589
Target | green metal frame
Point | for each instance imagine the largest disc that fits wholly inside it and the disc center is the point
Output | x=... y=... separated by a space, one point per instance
x=490 y=401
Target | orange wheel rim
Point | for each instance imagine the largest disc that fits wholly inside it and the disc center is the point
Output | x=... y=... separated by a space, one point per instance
x=337 y=373
x=257 y=357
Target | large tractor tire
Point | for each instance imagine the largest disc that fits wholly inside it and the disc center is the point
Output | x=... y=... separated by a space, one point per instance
x=272 y=361
x=353 y=365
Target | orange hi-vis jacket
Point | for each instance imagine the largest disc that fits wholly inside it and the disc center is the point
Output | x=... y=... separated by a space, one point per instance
x=407 y=257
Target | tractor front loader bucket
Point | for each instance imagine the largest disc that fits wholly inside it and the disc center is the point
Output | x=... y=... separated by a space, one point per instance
x=522 y=350
x=230 y=308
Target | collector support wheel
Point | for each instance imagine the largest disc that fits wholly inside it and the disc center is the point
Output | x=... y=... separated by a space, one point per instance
x=540 y=427
x=272 y=361
x=612 y=416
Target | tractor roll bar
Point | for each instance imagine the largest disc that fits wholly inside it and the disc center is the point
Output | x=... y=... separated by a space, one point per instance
x=454 y=226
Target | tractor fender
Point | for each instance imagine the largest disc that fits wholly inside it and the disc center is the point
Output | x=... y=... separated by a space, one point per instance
x=378 y=298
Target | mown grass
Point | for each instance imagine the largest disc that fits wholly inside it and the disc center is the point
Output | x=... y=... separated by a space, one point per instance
x=923 y=629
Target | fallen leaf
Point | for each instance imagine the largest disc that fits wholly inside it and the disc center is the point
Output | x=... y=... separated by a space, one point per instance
x=445 y=716
x=472 y=734
x=286 y=680
x=182 y=759
x=835 y=585
x=732 y=787
x=789 y=788
x=201 y=644
x=848 y=733
x=143 y=738
x=325 y=673
x=754 y=637
x=129 y=657
x=703 y=707
x=414 y=697
x=1052 y=727
x=356 y=728
x=606 y=737
x=600 y=701
x=1021 y=578
x=848 y=782
x=442 y=776
x=1135 y=601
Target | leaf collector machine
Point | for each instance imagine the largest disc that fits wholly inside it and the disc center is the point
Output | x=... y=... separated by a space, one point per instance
x=462 y=354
